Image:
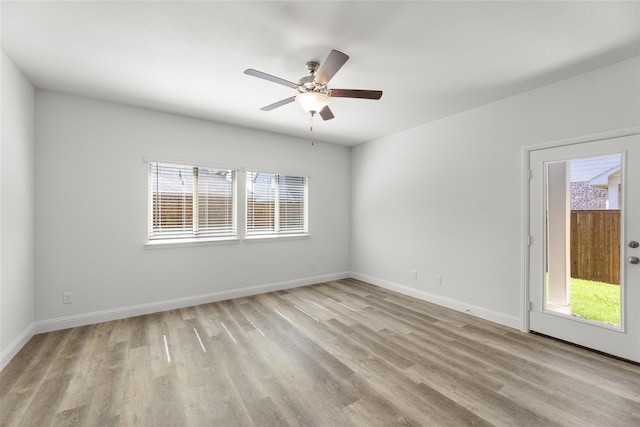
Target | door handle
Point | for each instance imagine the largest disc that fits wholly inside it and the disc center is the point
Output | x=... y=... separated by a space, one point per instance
x=633 y=260
x=633 y=244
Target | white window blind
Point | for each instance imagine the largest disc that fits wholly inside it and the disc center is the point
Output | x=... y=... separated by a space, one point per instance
x=276 y=204
x=187 y=202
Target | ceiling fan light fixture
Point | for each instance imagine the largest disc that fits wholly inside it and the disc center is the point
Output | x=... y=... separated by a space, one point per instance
x=313 y=102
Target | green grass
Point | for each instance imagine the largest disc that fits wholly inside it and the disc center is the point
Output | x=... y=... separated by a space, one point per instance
x=596 y=301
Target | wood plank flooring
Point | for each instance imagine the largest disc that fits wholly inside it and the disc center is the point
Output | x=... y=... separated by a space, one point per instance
x=343 y=353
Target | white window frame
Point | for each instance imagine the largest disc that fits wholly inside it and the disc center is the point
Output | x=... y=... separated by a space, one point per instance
x=276 y=233
x=194 y=239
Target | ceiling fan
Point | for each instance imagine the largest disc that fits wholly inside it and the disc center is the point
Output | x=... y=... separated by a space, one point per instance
x=313 y=94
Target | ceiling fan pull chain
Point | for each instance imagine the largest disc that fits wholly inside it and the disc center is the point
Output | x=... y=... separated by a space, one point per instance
x=311 y=127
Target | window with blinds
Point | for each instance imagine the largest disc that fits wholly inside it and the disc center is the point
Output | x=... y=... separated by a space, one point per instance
x=276 y=204
x=187 y=202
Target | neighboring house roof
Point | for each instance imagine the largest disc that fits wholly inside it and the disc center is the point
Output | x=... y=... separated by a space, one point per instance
x=603 y=178
x=263 y=187
x=595 y=170
x=179 y=179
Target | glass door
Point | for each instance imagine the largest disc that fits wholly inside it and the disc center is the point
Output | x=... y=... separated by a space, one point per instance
x=583 y=281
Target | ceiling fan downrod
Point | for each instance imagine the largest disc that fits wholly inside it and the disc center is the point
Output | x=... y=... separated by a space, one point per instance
x=312 y=66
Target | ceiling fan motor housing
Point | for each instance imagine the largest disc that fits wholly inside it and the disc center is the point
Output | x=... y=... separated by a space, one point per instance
x=308 y=84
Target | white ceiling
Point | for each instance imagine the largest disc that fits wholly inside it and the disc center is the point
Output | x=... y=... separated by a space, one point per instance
x=431 y=59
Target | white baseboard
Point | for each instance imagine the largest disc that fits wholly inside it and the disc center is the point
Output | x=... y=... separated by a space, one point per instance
x=59 y=323
x=16 y=345
x=155 y=307
x=473 y=310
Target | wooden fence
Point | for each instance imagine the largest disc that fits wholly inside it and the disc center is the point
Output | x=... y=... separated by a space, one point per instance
x=595 y=245
x=175 y=211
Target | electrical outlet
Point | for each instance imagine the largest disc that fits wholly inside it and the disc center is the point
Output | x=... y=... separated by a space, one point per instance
x=67 y=297
x=414 y=274
x=438 y=280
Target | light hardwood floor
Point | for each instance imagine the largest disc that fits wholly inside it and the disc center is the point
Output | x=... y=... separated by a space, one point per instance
x=335 y=354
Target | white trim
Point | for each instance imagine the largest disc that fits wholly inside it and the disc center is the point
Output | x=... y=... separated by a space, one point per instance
x=275 y=172
x=191 y=163
x=525 y=241
x=155 y=307
x=618 y=133
x=624 y=284
x=271 y=237
x=184 y=243
x=473 y=310
x=16 y=345
x=525 y=219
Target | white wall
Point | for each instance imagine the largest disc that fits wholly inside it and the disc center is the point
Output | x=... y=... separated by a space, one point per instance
x=445 y=198
x=17 y=211
x=91 y=222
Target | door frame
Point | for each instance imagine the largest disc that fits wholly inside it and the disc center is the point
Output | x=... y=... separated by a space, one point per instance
x=525 y=220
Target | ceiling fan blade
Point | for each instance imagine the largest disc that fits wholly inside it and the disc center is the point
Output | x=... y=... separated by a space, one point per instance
x=330 y=66
x=278 y=104
x=355 y=93
x=265 y=76
x=326 y=113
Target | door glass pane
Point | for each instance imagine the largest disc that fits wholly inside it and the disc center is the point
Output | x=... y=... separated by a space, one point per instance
x=584 y=201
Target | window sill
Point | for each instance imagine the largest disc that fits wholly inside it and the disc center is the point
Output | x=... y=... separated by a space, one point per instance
x=183 y=243
x=271 y=237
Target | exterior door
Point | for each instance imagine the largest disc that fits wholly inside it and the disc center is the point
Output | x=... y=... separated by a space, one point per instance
x=584 y=220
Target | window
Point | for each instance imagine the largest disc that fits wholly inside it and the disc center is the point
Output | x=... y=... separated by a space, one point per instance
x=276 y=204
x=191 y=202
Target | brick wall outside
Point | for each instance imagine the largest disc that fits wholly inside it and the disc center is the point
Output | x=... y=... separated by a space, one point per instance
x=586 y=197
